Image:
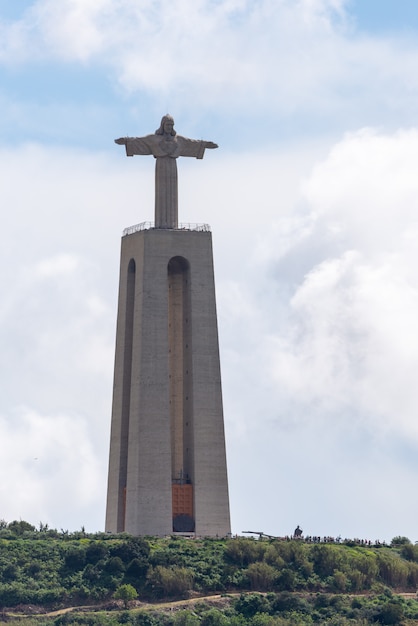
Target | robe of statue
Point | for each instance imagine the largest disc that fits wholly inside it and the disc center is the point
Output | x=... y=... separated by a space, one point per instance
x=166 y=148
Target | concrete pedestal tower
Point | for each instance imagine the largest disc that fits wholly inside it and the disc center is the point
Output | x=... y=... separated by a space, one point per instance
x=167 y=467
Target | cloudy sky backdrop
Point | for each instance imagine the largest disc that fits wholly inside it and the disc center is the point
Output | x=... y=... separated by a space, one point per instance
x=313 y=202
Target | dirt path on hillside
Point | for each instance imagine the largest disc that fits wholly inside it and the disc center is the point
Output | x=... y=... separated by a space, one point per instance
x=216 y=601
x=175 y=605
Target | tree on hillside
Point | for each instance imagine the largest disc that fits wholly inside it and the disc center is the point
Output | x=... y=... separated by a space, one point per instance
x=127 y=593
x=18 y=528
x=399 y=540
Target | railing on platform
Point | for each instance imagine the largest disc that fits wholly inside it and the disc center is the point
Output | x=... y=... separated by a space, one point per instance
x=150 y=226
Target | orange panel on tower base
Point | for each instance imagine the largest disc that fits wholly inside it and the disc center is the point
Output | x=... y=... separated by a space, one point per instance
x=182 y=499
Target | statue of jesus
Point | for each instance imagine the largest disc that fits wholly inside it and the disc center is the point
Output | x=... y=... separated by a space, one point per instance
x=165 y=145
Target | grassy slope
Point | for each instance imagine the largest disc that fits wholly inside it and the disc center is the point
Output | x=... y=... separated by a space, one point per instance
x=51 y=570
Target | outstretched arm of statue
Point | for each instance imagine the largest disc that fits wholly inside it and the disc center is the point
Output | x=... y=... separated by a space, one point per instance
x=136 y=145
x=193 y=147
x=202 y=147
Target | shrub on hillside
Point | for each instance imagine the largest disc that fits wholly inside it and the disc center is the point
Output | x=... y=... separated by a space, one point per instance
x=242 y=551
x=96 y=551
x=186 y=618
x=287 y=602
x=115 y=565
x=286 y=580
x=399 y=541
x=214 y=617
x=20 y=528
x=75 y=558
x=261 y=576
x=250 y=604
x=136 y=568
x=131 y=548
x=391 y=613
x=393 y=571
x=409 y=552
x=166 y=581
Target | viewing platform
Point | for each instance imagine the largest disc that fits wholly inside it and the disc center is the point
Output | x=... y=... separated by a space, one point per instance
x=204 y=228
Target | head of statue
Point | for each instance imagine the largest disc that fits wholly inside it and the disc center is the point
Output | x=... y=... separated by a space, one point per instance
x=166 y=126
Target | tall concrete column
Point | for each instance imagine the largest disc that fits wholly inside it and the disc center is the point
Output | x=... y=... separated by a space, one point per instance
x=167 y=467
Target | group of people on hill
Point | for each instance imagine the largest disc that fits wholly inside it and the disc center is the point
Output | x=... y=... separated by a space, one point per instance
x=298 y=534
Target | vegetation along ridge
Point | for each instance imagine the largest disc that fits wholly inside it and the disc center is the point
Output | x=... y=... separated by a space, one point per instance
x=121 y=579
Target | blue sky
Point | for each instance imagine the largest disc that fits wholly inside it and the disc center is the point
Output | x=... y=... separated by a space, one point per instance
x=313 y=202
x=59 y=98
x=384 y=16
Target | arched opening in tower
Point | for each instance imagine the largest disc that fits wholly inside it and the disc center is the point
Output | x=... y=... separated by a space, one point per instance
x=126 y=394
x=180 y=391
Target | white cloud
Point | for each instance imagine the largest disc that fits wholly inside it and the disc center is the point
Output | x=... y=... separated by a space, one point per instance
x=281 y=57
x=56 y=266
x=351 y=342
x=367 y=188
x=53 y=474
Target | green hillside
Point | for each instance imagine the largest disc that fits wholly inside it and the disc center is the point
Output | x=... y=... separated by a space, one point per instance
x=234 y=581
